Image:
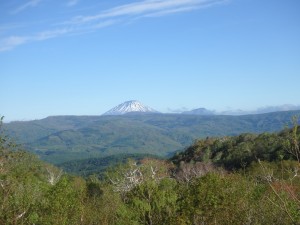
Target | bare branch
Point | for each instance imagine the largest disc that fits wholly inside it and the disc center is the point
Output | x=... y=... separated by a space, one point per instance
x=20 y=215
x=53 y=176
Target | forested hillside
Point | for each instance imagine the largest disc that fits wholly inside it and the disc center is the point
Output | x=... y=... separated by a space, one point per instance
x=63 y=138
x=203 y=185
x=240 y=151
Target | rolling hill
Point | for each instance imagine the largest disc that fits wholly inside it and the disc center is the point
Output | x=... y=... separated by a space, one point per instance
x=58 y=139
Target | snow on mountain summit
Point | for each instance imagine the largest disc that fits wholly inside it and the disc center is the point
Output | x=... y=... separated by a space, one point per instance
x=130 y=107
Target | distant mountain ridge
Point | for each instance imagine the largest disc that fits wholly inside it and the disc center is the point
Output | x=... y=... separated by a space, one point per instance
x=240 y=112
x=58 y=139
x=199 y=111
x=268 y=109
x=132 y=106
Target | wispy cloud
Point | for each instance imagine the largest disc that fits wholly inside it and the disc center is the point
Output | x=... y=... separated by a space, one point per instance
x=89 y=23
x=51 y=34
x=14 y=41
x=192 y=7
x=11 y=42
x=29 y=4
x=104 y=24
x=170 y=11
x=179 y=110
x=72 y=3
x=146 y=8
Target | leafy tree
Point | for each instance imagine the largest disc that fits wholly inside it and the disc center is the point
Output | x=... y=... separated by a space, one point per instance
x=61 y=203
x=152 y=202
x=218 y=199
x=101 y=203
x=21 y=183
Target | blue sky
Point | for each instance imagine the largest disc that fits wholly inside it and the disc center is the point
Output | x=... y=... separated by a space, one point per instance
x=75 y=57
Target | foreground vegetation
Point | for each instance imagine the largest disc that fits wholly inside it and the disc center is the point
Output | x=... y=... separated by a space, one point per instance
x=248 y=179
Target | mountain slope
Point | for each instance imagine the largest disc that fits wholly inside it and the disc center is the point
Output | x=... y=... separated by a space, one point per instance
x=105 y=137
x=62 y=138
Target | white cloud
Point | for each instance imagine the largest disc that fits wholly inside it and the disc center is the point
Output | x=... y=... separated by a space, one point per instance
x=192 y=7
x=11 y=42
x=51 y=34
x=72 y=2
x=29 y=4
x=179 y=110
x=171 y=11
x=147 y=7
x=104 y=24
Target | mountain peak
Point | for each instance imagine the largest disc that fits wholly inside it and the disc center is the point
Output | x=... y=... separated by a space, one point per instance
x=132 y=106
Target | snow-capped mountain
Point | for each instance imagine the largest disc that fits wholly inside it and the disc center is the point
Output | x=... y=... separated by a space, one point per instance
x=130 y=107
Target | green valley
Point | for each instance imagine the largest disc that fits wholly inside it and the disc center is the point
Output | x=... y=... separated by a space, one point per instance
x=58 y=139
